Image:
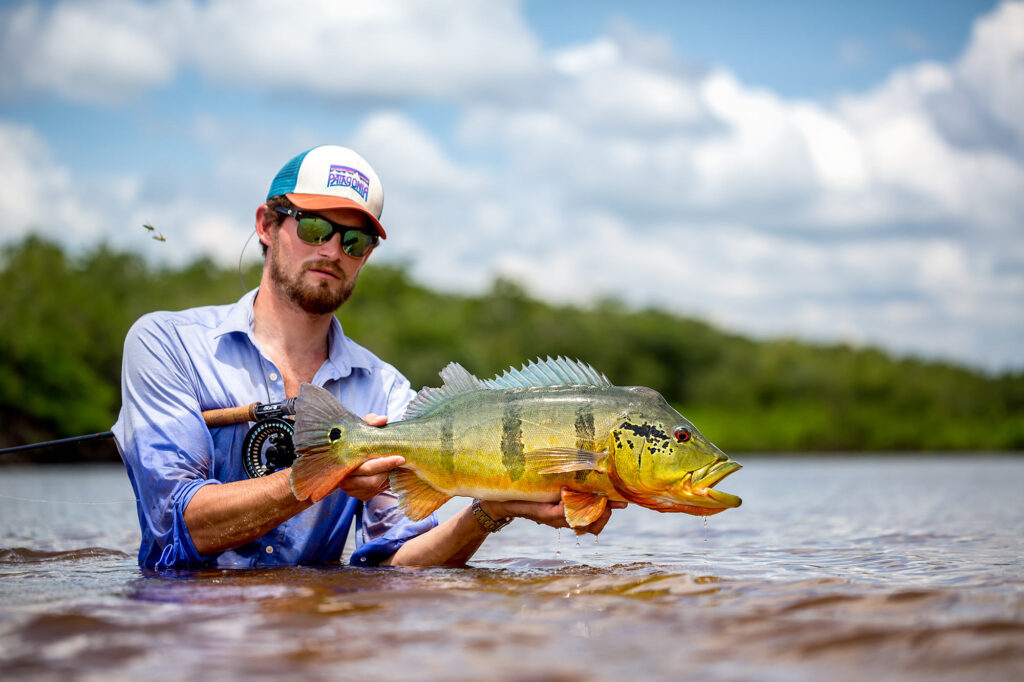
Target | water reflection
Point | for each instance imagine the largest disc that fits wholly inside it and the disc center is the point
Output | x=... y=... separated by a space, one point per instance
x=840 y=578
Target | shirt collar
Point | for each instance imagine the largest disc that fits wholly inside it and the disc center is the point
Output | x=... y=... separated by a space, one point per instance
x=342 y=353
x=239 y=318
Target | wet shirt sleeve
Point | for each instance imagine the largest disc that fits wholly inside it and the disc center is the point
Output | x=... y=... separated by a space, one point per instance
x=165 y=444
x=382 y=528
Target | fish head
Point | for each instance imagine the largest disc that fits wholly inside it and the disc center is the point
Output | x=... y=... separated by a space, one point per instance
x=661 y=461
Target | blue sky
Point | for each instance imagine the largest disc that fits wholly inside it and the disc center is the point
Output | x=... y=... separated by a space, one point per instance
x=836 y=172
x=797 y=48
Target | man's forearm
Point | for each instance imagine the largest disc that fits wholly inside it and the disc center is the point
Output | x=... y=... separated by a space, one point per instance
x=452 y=543
x=228 y=515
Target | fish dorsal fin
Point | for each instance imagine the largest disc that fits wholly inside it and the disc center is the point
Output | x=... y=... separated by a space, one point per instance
x=549 y=373
x=540 y=374
x=457 y=380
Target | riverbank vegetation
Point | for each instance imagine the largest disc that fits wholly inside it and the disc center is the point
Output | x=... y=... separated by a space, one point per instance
x=64 y=319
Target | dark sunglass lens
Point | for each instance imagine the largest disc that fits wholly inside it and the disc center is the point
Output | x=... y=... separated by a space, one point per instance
x=314 y=230
x=357 y=243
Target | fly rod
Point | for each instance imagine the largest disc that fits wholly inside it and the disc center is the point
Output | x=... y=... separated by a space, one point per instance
x=213 y=418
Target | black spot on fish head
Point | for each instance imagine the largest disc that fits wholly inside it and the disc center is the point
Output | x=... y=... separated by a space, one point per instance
x=335 y=434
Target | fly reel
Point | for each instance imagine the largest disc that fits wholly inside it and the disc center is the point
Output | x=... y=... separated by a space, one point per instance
x=268 y=447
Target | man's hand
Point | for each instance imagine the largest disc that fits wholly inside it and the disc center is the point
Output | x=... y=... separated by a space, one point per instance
x=453 y=542
x=548 y=514
x=370 y=478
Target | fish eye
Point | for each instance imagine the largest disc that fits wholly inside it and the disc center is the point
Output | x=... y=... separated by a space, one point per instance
x=682 y=435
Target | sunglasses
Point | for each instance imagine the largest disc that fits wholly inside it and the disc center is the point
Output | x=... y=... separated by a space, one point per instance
x=314 y=229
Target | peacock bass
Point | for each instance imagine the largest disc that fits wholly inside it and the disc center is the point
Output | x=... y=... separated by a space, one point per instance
x=553 y=429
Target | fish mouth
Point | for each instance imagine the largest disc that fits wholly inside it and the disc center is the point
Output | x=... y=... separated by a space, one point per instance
x=693 y=494
x=697 y=488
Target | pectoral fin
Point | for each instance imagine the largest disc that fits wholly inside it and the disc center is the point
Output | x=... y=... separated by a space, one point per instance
x=582 y=509
x=417 y=498
x=565 y=460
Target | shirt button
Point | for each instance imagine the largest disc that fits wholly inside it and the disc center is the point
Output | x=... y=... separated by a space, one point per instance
x=273 y=376
x=269 y=550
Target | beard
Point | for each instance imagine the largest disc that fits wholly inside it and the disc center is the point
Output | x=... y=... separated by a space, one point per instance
x=319 y=298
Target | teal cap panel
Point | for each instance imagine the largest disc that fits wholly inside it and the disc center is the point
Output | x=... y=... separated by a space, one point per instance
x=284 y=181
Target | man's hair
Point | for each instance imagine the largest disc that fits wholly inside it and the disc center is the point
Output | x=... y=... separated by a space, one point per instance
x=272 y=218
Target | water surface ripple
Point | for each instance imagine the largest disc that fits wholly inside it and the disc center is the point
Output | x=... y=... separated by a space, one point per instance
x=847 y=568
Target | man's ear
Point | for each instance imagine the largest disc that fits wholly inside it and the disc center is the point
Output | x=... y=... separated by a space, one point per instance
x=263 y=224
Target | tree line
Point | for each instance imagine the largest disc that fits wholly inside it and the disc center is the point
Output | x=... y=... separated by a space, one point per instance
x=64 y=319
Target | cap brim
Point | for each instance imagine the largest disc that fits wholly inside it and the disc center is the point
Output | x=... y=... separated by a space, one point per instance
x=319 y=202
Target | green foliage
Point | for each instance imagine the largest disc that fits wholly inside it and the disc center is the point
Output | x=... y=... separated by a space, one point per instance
x=64 y=322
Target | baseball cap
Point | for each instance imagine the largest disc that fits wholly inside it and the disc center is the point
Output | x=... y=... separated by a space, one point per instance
x=329 y=176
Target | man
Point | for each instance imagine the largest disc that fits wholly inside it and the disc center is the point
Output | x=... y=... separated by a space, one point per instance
x=196 y=505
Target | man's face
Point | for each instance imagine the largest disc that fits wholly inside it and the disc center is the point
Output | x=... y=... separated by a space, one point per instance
x=318 y=278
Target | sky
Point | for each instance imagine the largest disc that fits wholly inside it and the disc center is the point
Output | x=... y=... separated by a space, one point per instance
x=840 y=173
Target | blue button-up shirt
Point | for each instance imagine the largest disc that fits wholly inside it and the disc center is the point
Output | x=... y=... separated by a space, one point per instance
x=177 y=364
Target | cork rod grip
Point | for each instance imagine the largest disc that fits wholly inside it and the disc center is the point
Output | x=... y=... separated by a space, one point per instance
x=230 y=415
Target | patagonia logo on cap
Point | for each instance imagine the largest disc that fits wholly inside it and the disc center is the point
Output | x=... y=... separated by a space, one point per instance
x=343 y=176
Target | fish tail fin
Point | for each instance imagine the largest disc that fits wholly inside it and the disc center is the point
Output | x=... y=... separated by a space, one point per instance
x=323 y=427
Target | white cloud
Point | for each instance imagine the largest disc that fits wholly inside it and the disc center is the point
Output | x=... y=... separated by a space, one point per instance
x=100 y=52
x=993 y=65
x=388 y=48
x=892 y=215
x=40 y=193
x=622 y=94
x=861 y=218
x=78 y=211
x=835 y=152
x=112 y=49
x=413 y=159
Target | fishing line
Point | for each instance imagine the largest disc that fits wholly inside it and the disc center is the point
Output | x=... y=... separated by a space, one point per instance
x=240 y=254
x=30 y=499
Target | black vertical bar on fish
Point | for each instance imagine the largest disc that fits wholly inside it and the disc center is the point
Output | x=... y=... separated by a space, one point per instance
x=512 y=439
x=584 y=434
x=447 y=437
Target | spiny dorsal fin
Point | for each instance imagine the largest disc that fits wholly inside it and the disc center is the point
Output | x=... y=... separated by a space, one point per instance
x=457 y=380
x=548 y=373
x=540 y=374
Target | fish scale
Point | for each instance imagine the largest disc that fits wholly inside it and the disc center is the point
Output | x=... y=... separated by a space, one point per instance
x=552 y=429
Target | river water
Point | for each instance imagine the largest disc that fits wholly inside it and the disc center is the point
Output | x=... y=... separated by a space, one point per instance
x=893 y=568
